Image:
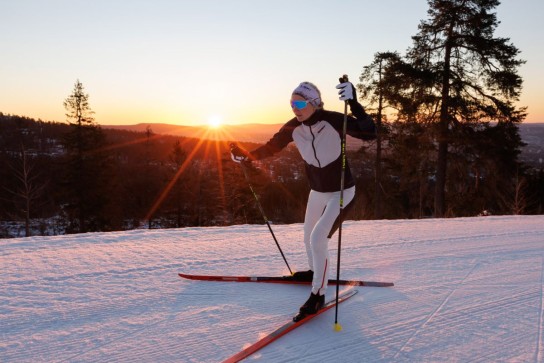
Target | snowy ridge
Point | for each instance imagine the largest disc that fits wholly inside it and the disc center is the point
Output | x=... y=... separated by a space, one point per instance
x=466 y=289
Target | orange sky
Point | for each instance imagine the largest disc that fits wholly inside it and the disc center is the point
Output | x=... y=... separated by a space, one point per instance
x=187 y=62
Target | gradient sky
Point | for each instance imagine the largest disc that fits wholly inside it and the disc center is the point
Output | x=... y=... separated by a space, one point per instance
x=184 y=62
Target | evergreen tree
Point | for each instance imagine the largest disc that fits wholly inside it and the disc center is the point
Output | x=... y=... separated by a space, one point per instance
x=86 y=164
x=474 y=76
x=373 y=89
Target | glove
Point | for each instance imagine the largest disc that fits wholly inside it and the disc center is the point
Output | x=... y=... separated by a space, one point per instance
x=238 y=155
x=347 y=91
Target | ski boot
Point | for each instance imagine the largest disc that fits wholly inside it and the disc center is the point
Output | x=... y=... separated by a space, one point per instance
x=303 y=276
x=310 y=307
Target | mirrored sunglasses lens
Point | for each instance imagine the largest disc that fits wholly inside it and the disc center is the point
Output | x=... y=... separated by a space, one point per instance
x=299 y=104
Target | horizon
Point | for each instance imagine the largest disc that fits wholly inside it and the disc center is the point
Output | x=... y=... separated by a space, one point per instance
x=193 y=63
x=206 y=125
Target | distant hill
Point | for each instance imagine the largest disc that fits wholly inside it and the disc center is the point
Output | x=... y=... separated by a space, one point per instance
x=531 y=133
x=258 y=133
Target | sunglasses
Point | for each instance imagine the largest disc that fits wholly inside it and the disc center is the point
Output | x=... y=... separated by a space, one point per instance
x=299 y=105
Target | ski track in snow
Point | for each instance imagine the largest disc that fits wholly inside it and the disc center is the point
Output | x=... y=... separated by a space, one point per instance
x=466 y=289
x=539 y=343
x=435 y=312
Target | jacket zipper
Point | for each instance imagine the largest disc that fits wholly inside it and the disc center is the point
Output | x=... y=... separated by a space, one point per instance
x=313 y=146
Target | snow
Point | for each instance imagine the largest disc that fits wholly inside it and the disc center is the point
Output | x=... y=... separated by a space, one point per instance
x=466 y=289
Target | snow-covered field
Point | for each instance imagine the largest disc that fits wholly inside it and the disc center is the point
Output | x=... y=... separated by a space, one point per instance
x=467 y=290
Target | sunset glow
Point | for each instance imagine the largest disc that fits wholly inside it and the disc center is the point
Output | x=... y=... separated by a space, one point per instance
x=148 y=66
x=215 y=121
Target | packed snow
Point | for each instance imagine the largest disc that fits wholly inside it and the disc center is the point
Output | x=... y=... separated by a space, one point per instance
x=466 y=289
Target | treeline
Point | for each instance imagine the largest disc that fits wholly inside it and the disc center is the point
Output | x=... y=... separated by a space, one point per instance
x=136 y=180
x=124 y=180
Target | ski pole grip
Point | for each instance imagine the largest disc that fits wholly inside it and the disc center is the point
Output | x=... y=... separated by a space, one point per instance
x=344 y=79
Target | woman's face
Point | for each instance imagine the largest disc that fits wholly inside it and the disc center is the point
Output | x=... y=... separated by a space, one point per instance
x=302 y=114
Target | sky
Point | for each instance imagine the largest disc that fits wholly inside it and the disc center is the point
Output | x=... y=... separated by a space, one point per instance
x=237 y=61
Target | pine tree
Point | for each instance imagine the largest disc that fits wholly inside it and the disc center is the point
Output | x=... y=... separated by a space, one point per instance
x=475 y=79
x=86 y=164
x=377 y=91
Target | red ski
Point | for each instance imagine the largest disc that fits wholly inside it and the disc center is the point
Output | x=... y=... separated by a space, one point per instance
x=280 y=280
x=286 y=328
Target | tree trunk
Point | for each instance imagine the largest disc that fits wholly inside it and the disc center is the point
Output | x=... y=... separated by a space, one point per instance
x=378 y=177
x=443 y=131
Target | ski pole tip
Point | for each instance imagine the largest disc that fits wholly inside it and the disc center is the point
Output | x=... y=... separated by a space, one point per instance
x=337 y=327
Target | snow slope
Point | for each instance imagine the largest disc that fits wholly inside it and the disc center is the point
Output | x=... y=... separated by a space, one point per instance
x=467 y=289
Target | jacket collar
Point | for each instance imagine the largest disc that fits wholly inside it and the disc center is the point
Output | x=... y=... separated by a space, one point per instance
x=316 y=116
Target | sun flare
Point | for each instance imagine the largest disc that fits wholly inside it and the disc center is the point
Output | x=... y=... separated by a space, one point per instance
x=215 y=121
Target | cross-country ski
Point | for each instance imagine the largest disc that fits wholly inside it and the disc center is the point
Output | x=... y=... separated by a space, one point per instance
x=280 y=280
x=286 y=328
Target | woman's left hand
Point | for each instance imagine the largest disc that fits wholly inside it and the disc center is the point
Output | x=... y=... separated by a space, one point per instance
x=347 y=91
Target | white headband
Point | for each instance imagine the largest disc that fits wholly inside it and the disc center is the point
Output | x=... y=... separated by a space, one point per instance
x=309 y=92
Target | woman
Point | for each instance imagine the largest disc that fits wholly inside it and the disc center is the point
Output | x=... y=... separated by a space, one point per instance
x=317 y=134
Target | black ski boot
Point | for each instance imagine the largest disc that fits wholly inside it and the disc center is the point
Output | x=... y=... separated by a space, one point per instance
x=303 y=276
x=311 y=306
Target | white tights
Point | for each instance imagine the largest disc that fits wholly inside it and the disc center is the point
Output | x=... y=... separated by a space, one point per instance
x=321 y=212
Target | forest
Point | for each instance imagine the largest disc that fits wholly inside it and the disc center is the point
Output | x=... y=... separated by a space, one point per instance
x=448 y=145
x=127 y=180
x=143 y=180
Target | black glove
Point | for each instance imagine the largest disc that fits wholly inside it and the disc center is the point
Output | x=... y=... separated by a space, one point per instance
x=238 y=155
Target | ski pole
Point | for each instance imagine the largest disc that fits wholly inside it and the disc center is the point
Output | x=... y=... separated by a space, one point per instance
x=263 y=214
x=337 y=326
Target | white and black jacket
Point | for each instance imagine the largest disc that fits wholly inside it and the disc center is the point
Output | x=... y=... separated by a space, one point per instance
x=319 y=141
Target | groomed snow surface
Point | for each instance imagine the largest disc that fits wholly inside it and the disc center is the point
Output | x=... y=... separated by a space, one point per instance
x=466 y=290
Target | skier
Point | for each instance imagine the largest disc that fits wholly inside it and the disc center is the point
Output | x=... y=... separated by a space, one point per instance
x=317 y=134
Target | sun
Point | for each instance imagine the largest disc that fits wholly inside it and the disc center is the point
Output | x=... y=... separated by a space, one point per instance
x=215 y=121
